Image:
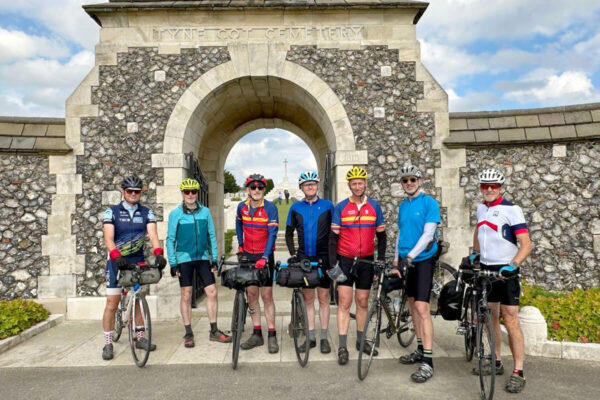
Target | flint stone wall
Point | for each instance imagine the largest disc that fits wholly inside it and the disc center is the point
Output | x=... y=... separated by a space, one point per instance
x=136 y=98
x=382 y=108
x=26 y=193
x=560 y=198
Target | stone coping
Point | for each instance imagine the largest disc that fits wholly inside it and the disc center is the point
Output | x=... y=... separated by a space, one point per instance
x=53 y=320
x=224 y=5
x=525 y=126
x=33 y=135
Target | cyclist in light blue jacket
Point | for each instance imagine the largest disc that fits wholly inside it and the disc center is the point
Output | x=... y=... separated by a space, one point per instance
x=191 y=246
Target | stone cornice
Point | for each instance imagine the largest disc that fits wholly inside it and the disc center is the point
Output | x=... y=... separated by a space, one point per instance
x=25 y=135
x=571 y=123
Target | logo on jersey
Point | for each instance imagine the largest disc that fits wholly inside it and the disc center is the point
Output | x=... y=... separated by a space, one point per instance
x=351 y=212
x=138 y=220
x=496 y=213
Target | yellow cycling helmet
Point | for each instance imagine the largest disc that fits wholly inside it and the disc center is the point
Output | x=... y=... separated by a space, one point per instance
x=356 y=173
x=188 y=184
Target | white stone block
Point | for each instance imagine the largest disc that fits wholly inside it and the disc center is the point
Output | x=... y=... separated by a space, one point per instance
x=379 y=112
x=559 y=150
x=53 y=286
x=596 y=243
x=581 y=351
x=68 y=184
x=351 y=157
x=172 y=160
x=62 y=164
x=85 y=308
x=160 y=76
x=168 y=194
x=111 y=197
x=59 y=224
x=533 y=326
x=67 y=264
x=63 y=204
x=132 y=127
x=57 y=245
x=386 y=70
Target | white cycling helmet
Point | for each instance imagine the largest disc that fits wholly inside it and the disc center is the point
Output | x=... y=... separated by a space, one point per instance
x=308 y=176
x=410 y=170
x=491 y=175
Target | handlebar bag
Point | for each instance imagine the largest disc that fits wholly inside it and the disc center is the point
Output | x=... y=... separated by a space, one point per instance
x=243 y=276
x=450 y=301
x=148 y=276
x=391 y=283
x=294 y=277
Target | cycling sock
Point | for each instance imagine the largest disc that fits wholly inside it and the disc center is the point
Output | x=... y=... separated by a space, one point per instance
x=428 y=357
x=272 y=333
x=108 y=337
x=498 y=363
x=359 y=336
x=323 y=333
x=311 y=335
x=257 y=330
x=420 y=345
x=140 y=332
x=188 y=330
x=213 y=327
x=343 y=339
x=518 y=372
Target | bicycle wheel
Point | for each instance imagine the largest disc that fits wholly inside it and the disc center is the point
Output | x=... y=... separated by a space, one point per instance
x=486 y=354
x=442 y=274
x=470 y=324
x=404 y=323
x=140 y=349
x=237 y=325
x=369 y=337
x=300 y=327
x=118 y=329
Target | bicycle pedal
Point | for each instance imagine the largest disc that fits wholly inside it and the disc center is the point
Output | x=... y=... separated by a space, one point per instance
x=461 y=330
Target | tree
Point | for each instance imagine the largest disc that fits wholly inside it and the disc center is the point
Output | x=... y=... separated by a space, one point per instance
x=270 y=186
x=231 y=185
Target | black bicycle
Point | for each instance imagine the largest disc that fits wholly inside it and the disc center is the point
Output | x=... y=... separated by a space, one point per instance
x=442 y=274
x=476 y=323
x=242 y=275
x=399 y=322
x=299 y=316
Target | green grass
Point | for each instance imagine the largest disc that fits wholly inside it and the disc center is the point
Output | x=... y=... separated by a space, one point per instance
x=228 y=239
x=283 y=212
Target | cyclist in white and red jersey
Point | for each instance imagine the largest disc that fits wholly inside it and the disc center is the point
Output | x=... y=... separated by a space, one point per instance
x=501 y=240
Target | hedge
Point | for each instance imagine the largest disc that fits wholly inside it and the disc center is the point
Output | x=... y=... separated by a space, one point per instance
x=572 y=316
x=18 y=315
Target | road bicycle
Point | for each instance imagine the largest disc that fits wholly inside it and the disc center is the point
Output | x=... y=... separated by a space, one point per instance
x=133 y=311
x=241 y=275
x=399 y=321
x=297 y=277
x=442 y=274
x=476 y=323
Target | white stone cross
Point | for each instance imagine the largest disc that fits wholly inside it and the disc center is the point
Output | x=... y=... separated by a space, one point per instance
x=285 y=162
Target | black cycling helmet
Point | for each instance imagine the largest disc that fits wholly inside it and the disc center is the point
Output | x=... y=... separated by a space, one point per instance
x=131 y=182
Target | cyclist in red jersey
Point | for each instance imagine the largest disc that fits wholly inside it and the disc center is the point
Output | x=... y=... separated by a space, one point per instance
x=355 y=223
x=256 y=226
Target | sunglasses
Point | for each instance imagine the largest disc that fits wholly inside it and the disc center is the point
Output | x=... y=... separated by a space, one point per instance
x=188 y=192
x=405 y=180
x=255 y=187
x=489 y=186
x=132 y=191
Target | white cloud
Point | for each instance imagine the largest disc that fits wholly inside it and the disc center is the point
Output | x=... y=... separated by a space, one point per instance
x=16 y=45
x=472 y=101
x=447 y=63
x=548 y=88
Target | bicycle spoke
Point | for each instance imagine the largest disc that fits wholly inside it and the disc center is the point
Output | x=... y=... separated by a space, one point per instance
x=406 y=330
x=237 y=326
x=369 y=339
x=140 y=330
x=300 y=327
x=486 y=355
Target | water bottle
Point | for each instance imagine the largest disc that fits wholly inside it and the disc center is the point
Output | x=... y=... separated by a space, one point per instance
x=397 y=303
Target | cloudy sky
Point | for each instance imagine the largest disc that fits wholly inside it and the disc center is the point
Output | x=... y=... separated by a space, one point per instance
x=487 y=54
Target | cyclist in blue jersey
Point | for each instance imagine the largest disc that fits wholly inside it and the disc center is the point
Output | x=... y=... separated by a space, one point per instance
x=311 y=218
x=125 y=226
x=501 y=241
x=418 y=218
x=192 y=246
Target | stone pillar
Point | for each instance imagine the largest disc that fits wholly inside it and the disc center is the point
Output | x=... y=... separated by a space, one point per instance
x=344 y=160
x=535 y=330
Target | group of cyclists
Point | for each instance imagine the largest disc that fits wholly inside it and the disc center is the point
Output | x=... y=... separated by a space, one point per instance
x=335 y=235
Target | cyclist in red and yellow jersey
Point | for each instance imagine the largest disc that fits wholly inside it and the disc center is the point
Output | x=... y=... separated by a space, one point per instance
x=355 y=223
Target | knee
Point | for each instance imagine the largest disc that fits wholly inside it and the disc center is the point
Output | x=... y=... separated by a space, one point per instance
x=422 y=309
x=186 y=296
x=362 y=302
x=111 y=307
x=267 y=297
x=511 y=321
x=211 y=291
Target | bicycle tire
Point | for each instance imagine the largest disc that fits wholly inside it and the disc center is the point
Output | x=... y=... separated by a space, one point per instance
x=470 y=323
x=140 y=355
x=300 y=327
x=405 y=328
x=486 y=354
x=442 y=274
x=370 y=333
x=118 y=328
x=237 y=326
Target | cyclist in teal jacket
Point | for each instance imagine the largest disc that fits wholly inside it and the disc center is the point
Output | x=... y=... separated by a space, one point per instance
x=191 y=246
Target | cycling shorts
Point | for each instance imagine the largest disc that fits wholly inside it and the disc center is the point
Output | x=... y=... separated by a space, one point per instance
x=202 y=268
x=112 y=275
x=270 y=265
x=505 y=292
x=419 y=280
x=360 y=276
x=325 y=282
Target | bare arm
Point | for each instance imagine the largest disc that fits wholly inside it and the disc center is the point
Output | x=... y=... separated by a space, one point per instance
x=476 y=240
x=109 y=237
x=524 y=248
x=153 y=235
